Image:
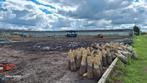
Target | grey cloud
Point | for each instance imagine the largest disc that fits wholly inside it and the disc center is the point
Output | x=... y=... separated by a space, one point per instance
x=61 y=23
x=18 y=21
x=90 y=9
x=115 y=10
x=129 y=16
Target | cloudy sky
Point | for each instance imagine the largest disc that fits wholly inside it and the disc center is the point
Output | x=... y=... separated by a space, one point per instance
x=72 y=14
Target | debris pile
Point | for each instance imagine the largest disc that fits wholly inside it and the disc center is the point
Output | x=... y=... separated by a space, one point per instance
x=60 y=46
x=92 y=61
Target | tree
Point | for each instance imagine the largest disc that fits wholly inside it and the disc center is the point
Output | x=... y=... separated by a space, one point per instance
x=136 y=30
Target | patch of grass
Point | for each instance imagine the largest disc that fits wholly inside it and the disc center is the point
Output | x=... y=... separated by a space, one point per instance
x=117 y=73
x=136 y=72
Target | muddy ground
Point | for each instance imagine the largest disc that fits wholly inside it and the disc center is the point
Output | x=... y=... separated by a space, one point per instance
x=38 y=66
x=41 y=62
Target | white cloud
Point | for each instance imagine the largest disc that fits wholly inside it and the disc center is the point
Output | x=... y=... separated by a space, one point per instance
x=72 y=14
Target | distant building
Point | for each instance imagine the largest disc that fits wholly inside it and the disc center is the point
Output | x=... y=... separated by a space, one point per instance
x=74 y=33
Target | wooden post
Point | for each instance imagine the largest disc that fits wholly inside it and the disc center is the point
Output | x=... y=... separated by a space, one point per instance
x=107 y=72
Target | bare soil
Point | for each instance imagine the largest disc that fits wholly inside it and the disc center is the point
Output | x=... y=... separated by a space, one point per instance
x=42 y=61
x=38 y=66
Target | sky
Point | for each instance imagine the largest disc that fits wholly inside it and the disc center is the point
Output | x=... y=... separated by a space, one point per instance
x=72 y=14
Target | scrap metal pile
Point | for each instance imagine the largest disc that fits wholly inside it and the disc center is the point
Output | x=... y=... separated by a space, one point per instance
x=91 y=62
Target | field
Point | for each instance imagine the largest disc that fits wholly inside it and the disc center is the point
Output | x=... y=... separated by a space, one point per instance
x=136 y=71
x=44 y=61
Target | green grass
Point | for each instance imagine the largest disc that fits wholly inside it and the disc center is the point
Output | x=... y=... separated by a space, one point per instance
x=136 y=72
